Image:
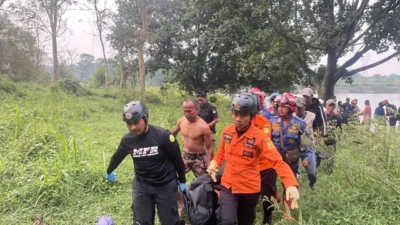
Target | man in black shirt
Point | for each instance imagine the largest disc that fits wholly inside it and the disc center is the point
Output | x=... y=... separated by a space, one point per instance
x=157 y=159
x=207 y=111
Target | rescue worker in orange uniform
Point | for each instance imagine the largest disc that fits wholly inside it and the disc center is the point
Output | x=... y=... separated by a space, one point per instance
x=268 y=175
x=242 y=145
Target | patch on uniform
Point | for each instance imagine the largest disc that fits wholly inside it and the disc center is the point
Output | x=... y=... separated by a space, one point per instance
x=171 y=138
x=294 y=131
x=228 y=138
x=266 y=130
x=250 y=143
x=276 y=126
x=270 y=144
x=294 y=126
x=248 y=154
x=128 y=116
x=237 y=106
x=292 y=140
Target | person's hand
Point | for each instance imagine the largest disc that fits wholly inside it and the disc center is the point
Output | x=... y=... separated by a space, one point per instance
x=111 y=177
x=182 y=188
x=292 y=194
x=305 y=163
x=212 y=170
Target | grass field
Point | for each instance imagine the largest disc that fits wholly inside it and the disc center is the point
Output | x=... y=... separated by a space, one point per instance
x=56 y=146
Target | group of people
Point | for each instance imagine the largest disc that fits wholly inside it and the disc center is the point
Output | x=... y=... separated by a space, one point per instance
x=260 y=144
x=350 y=112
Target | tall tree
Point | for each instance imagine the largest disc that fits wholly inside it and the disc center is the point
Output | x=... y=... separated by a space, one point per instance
x=101 y=16
x=130 y=34
x=221 y=45
x=334 y=28
x=17 y=51
x=29 y=15
x=55 y=24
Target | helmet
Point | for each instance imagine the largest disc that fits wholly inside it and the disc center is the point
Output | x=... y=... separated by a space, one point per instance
x=286 y=100
x=135 y=110
x=353 y=101
x=255 y=97
x=274 y=95
x=244 y=103
x=259 y=93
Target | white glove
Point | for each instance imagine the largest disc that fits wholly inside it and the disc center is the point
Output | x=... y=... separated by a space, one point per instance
x=213 y=170
x=292 y=193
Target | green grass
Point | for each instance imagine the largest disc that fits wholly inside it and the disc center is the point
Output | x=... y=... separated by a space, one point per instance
x=56 y=146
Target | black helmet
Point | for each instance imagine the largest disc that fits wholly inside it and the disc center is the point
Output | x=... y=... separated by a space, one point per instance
x=135 y=110
x=244 y=103
x=256 y=98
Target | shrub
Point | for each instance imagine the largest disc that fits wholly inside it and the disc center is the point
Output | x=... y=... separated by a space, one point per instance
x=71 y=87
x=7 y=85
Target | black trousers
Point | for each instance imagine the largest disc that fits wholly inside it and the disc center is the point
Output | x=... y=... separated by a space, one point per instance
x=146 y=197
x=237 y=209
x=268 y=190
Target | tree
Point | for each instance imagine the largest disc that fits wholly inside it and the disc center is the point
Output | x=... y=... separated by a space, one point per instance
x=17 y=52
x=335 y=28
x=220 y=45
x=2 y=2
x=29 y=15
x=85 y=67
x=101 y=15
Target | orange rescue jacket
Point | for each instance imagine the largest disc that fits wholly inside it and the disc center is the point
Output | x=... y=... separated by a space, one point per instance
x=242 y=155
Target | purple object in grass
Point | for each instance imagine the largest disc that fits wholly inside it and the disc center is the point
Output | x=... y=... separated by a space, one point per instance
x=105 y=221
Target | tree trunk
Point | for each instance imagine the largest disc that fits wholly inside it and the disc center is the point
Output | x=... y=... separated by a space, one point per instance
x=122 y=82
x=55 y=55
x=99 y=23
x=142 y=41
x=328 y=85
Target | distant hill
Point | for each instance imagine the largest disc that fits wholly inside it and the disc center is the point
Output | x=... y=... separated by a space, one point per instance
x=372 y=84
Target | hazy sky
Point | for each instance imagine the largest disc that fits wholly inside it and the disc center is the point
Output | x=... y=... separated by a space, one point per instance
x=82 y=40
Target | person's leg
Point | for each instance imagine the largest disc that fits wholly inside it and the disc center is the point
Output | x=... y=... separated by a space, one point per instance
x=165 y=199
x=199 y=166
x=142 y=203
x=228 y=207
x=331 y=144
x=312 y=171
x=247 y=208
x=268 y=190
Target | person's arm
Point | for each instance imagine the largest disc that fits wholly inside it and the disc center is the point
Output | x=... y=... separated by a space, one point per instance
x=322 y=121
x=269 y=152
x=118 y=156
x=173 y=152
x=208 y=142
x=214 y=114
x=177 y=128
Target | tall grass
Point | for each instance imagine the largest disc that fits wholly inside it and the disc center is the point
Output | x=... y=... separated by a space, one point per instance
x=56 y=146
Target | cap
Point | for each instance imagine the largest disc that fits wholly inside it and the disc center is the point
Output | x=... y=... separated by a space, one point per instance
x=307 y=92
x=330 y=102
x=300 y=101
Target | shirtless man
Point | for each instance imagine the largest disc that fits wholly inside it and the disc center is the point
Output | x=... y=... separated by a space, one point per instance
x=197 y=142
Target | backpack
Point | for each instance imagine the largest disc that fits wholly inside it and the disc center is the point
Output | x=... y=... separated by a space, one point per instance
x=201 y=201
